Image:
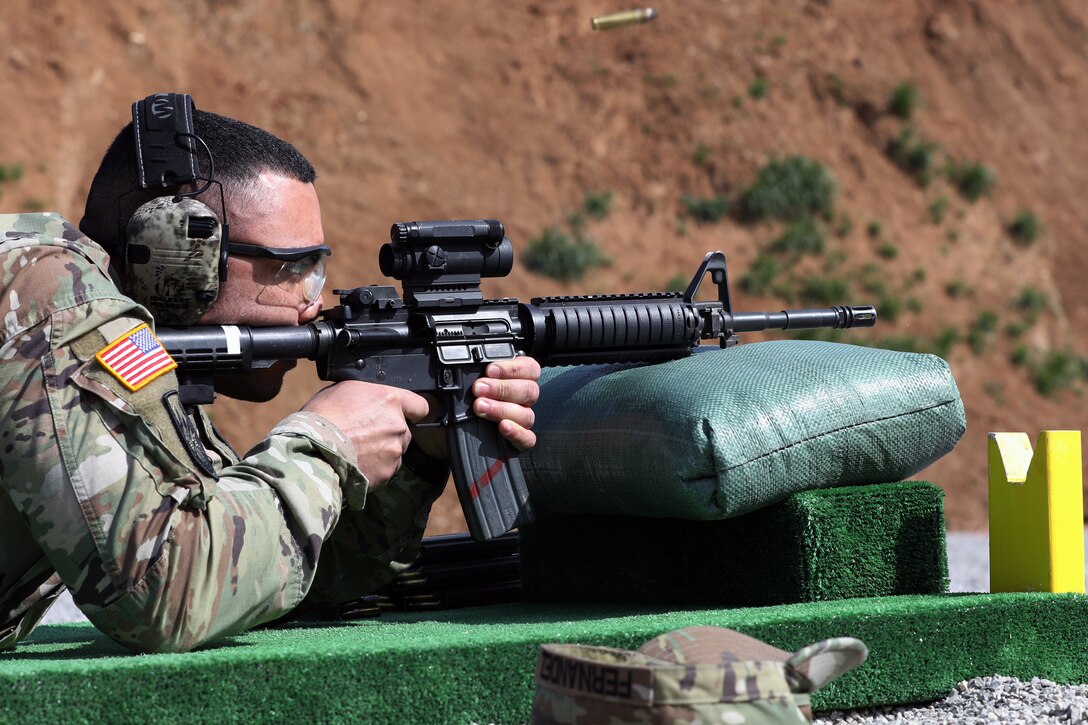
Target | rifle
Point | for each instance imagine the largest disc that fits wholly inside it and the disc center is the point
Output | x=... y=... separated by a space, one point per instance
x=441 y=335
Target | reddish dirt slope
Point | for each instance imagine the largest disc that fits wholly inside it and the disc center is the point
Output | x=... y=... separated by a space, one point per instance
x=515 y=110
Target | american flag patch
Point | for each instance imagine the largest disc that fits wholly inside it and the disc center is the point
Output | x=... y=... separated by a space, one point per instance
x=136 y=358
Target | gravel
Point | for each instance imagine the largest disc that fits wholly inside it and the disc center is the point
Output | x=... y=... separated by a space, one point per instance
x=981 y=701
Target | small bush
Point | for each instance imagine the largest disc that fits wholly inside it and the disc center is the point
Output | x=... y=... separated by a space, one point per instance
x=1055 y=371
x=973 y=179
x=938 y=208
x=981 y=331
x=957 y=288
x=1031 y=303
x=11 y=172
x=757 y=89
x=705 y=210
x=887 y=250
x=761 y=276
x=800 y=238
x=904 y=100
x=844 y=227
x=701 y=155
x=1021 y=355
x=790 y=189
x=824 y=291
x=946 y=338
x=916 y=157
x=597 y=204
x=1025 y=227
x=888 y=307
x=874 y=228
x=678 y=283
x=561 y=256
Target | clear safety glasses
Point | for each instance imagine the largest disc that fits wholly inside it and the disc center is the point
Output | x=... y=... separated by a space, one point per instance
x=303 y=270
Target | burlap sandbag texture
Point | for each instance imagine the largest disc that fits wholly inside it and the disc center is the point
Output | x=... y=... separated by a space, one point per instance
x=725 y=432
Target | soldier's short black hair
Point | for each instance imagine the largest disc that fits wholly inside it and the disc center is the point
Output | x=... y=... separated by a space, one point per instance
x=241 y=153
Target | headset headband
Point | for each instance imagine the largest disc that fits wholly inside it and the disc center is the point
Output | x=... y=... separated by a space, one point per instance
x=160 y=122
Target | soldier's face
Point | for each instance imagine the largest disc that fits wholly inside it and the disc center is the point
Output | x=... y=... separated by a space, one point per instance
x=281 y=213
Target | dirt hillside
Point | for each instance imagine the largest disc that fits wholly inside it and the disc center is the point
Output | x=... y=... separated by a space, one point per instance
x=518 y=110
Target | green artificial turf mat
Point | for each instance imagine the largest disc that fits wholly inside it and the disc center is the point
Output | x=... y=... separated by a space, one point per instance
x=854 y=541
x=476 y=665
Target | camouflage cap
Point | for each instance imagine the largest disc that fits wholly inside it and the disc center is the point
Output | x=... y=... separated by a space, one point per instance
x=697 y=674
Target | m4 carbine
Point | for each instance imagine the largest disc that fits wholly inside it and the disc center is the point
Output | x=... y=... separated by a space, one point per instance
x=441 y=335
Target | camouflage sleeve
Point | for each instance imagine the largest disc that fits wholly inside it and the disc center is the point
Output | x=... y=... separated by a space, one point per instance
x=159 y=554
x=370 y=546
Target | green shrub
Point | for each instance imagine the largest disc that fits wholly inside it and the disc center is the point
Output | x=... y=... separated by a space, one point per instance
x=1021 y=355
x=973 y=179
x=916 y=157
x=800 y=238
x=903 y=101
x=561 y=256
x=888 y=307
x=705 y=210
x=757 y=88
x=1025 y=227
x=1055 y=371
x=887 y=250
x=981 y=331
x=11 y=172
x=844 y=226
x=874 y=228
x=938 y=208
x=957 y=288
x=1031 y=303
x=790 y=189
x=824 y=291
x=761 y=276
x=597 y=204
x=678 y=283
x=946 y=338
x=701 y=155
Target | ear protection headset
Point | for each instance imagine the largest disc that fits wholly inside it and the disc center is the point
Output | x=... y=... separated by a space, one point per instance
x=175 y=247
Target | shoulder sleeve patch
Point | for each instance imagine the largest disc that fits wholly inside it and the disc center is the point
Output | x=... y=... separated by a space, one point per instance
x=136 y=358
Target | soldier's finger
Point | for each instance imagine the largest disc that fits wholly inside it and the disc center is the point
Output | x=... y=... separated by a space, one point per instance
x=522 y=392
x=497 y=411
x=519 y=437
x=416 y=408
x=523 y=367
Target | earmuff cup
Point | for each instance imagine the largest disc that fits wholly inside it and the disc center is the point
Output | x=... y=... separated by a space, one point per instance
x=175 y=258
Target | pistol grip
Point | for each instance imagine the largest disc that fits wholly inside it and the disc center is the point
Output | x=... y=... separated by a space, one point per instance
x=488 y=478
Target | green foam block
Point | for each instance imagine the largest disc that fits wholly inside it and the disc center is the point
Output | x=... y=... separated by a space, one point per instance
x=476 y=665
x=855 y=541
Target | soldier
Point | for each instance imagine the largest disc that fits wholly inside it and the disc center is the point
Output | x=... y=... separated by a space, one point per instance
x=166 y=538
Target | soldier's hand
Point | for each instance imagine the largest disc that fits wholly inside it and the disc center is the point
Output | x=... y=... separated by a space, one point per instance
x=506 y=395
x=375 y=418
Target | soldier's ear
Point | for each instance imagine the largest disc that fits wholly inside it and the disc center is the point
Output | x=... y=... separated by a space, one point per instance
x=812 y=667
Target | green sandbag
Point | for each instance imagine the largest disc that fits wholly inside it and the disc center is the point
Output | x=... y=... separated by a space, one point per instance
x=725 y=432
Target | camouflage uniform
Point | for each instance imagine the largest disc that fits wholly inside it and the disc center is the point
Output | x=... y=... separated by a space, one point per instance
x=691 y=675
x=164 y=548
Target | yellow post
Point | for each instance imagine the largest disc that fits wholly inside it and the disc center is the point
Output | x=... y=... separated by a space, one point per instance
x=1036 y=513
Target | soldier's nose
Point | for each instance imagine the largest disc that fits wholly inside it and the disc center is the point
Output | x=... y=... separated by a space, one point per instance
x=308 y=311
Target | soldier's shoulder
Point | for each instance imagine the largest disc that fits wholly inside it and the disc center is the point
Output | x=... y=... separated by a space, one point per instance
x=46 y=265
x=18 y=232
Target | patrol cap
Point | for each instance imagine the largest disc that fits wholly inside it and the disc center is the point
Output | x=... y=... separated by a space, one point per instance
x=709 y=674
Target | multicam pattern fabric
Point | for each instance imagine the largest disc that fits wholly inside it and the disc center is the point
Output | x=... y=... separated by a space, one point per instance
x=101 y=494
x=694 y=680
x=179 y=280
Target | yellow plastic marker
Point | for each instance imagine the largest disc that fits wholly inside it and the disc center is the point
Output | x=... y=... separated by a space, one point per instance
x=1036 y=513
